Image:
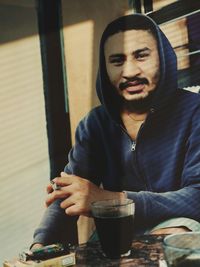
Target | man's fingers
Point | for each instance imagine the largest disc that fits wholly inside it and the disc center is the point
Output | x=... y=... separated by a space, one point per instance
x=67 y=180
x=67 y=202
x=73 y=206
x=49 y=188
x=72 y=210
x=75 y=209
x=56 y=195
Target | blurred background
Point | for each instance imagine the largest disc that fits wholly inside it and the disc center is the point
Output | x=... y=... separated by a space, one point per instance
x=48 y=66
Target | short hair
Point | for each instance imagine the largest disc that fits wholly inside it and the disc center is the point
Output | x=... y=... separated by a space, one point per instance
x=130 y=22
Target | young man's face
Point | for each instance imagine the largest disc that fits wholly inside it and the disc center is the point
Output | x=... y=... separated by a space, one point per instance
x=132 y=63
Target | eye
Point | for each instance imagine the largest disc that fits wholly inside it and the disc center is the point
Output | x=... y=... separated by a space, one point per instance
x=142 y=55
x=117 y=61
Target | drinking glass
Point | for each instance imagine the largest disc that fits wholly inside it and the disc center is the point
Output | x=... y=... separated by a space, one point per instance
x=182 y=250
x=114 y=224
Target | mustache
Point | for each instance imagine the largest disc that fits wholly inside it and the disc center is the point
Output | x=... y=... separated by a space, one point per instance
x=126 y=84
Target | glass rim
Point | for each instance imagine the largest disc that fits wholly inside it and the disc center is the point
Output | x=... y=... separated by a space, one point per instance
x=178 y=248
x=124 y=202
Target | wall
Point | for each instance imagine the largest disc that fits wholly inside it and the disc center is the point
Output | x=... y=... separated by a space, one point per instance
x=24 y=162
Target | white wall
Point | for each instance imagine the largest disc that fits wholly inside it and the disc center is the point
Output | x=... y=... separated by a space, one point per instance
x=24 y=162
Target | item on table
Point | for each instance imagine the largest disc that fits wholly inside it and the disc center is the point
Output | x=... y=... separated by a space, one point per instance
x=44 y=253
x=182 y=250
x=114 y=223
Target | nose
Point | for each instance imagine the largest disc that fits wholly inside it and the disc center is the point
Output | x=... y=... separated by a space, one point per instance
x=130 y=69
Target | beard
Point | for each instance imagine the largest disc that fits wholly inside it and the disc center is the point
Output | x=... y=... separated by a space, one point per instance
x=141 y=105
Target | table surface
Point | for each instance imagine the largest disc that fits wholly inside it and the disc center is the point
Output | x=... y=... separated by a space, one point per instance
x=146 y=251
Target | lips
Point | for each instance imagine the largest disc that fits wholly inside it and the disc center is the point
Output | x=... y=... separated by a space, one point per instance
x=134 y=86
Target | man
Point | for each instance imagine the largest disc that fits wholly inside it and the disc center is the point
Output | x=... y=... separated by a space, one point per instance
x=141 y=143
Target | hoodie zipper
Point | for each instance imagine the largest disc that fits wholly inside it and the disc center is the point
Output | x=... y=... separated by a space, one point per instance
x=133 y=150
x=133 y=146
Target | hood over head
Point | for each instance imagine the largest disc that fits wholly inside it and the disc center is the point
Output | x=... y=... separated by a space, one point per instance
x=167 y=84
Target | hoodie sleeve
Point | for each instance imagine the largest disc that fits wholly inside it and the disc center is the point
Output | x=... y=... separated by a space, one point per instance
x=82 y=162
x=84 y=157
x=153 y=208
x=54 y=226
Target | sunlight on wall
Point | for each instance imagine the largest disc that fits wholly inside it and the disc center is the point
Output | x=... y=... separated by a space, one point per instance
x=178 y=40
x=157 y=4
x=78 y=46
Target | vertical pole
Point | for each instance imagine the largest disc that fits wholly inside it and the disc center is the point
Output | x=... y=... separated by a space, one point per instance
x=58 y=124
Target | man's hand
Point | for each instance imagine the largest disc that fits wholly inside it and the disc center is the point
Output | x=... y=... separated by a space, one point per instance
x=78 y=194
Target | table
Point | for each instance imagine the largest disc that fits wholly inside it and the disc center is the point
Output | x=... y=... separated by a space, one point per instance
x=146 y=251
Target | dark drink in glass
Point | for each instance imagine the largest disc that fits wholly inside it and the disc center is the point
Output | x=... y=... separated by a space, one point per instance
x=114 y=224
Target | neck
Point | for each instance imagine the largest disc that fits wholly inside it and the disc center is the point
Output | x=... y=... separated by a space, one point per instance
x=134 y=116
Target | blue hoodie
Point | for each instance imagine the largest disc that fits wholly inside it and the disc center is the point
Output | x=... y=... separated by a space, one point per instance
x=161 y=170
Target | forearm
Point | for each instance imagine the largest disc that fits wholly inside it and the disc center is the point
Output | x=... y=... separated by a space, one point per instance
x=55 y=223
x=152 y=208
x=55 y=226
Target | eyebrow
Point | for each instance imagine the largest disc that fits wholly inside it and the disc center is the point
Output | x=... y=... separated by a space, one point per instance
x=142 y=50
x=118 y=55
x=115 y=56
